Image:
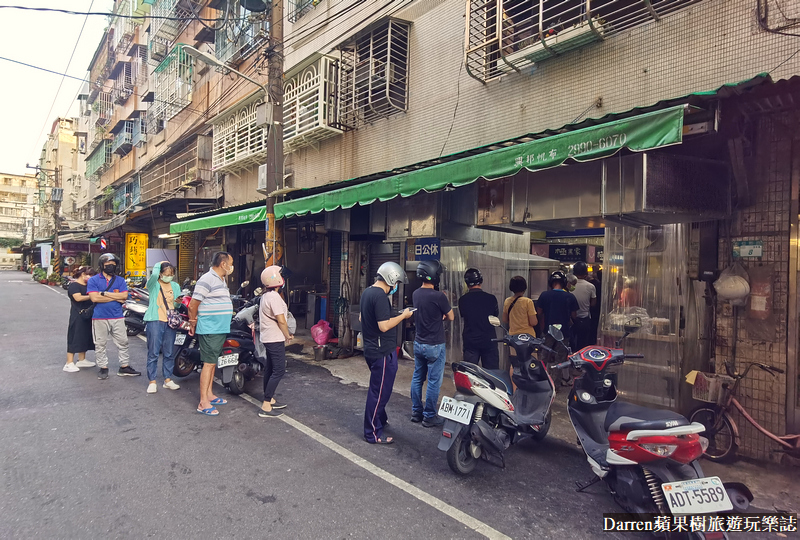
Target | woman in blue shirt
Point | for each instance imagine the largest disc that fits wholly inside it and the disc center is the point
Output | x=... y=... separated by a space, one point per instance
x=160 y=337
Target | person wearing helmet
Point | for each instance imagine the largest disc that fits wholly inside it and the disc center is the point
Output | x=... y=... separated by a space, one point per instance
x=274 y=333
x=380 y=347
x=432 y=308
x=557 y=306
x=586 y=295
x=160 y=337
x=109 y=291
x=475 y=308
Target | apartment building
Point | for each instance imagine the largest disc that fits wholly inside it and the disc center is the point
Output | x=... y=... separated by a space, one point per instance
x=465 y=129
x=19 y=211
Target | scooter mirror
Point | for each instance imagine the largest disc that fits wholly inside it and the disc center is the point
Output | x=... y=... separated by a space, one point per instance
x=258 y=292
x=245 y=284
x=494 y=321
x=555 y=331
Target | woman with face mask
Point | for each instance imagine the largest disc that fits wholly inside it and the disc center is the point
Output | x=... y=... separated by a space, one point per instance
x=160 y=337
x=79 y=333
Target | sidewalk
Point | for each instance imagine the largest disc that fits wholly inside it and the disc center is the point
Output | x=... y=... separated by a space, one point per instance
x=774 y=488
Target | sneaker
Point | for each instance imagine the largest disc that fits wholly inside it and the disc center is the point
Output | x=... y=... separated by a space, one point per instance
x=71 y=368
x=169 y=385
x=416 y=418
x=85 y=363
x=128 y=371
x=152 y=388
x=269 y=414
x=432 y=422
x=278 y=405
x=103 y=373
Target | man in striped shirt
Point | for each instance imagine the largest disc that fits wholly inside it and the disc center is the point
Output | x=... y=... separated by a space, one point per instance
x=210 y=314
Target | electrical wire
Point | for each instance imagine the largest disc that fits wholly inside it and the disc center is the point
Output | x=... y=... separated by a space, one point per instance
x=224 y=19
x=104 y=14
x=63 y=77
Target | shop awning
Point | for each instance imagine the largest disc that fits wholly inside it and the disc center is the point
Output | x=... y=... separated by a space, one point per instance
x=238 y=217
x=637 y=133
x=110 y=225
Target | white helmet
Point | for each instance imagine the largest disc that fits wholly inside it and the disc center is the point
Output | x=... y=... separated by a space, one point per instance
x=271 y=277
x=391 y=274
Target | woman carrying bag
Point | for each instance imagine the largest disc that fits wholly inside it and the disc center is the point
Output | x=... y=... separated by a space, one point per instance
x=79 y=331
x=160 y=337
x=519 y=312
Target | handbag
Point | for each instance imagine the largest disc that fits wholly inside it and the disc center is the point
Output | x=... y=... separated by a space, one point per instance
x=174 y=320
x=88 y=313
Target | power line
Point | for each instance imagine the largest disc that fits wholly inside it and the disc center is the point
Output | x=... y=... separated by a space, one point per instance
x=60 y=84
x=104 y=14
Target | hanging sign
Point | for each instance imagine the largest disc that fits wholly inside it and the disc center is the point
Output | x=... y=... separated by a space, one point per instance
x=568 y=253
x=427 y=249
x=136 y=245
x=747 y=248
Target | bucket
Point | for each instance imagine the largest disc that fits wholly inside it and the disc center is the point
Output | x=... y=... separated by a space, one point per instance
x=319 y=353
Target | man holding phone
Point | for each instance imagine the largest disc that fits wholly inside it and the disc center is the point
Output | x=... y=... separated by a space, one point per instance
x=432 y=308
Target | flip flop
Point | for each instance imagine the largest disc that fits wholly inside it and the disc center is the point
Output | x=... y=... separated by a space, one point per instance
x=389 y=440
x=211 y=411
x=219 y=401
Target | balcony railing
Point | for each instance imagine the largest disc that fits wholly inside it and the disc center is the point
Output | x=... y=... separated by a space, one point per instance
x=238 y=143
x=101 y=67
x=182 y=169
x=123 y=82
x=173 y=83
x=140 y=130
x=298 y=8
x=123 y=141
x=104 y=109
x=170 y=18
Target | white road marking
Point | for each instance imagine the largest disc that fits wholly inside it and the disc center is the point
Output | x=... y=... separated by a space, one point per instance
x=49 y=288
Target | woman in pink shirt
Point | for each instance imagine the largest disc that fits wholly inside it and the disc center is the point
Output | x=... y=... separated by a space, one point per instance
x=274 y=335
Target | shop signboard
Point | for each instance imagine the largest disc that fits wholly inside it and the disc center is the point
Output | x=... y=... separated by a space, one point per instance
x=427 y=249
x=46 y=249
x=567 y=253
x=136 y=253
x=748 y=248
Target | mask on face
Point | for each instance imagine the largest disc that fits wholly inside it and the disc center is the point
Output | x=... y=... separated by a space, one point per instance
x=230 y=270
x=166 y=279
x=110 y=269
x=394 y=290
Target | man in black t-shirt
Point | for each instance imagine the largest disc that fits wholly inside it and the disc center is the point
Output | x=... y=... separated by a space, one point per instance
x=380 y=347
x=558 y=306
x=475 y=308
x=432 y=308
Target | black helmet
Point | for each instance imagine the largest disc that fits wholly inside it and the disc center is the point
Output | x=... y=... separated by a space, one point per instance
x=473 y=277
x=580 y=269
x=557 y=276
x=430 y=271
x=107 y=258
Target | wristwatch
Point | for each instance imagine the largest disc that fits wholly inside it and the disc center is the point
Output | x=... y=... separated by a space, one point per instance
x=102 y=293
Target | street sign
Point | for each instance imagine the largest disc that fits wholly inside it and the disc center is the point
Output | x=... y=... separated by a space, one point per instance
x=136 y=245
x=427 y=249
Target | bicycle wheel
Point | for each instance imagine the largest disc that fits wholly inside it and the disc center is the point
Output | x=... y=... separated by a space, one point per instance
x=722 y=445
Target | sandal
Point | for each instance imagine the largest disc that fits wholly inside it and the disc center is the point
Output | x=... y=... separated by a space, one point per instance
x=211 y=411
x=389 y=440
x=219 y=401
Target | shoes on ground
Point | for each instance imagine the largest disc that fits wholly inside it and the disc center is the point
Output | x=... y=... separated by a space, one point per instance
x=169 y=385
x=278 y=405
x=152 y=388
x=71 y=368
x=416 y=418
x=103 y=373
x=85 y=363
x=269 y=414
x=432 y=422
x=128 y=371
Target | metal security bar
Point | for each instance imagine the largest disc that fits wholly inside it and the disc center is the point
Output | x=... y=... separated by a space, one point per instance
x=374 y=74
x=123 y=83
x=298 y=8
x=183 y=169
x=238 y=144
x=507 y=36
x=242 y=35
x=101 y=67
x=173 y=84
x=124 y=27
x=104 y=108
x=311 y=104
x=164 y=31
x=139 y=65
x=139 y=136
x=123 y=141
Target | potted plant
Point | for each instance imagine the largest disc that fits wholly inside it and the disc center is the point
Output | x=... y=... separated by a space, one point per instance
x=54 y=279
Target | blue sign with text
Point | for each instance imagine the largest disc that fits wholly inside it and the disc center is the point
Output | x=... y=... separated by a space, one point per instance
x=426 y=249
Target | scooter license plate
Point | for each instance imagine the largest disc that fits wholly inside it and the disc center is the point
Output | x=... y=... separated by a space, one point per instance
x=458 y=411
x=228 y=360
x=180 y=339
x=699 y=496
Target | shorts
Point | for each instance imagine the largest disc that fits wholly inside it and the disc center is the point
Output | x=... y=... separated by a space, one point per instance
x=211 y=347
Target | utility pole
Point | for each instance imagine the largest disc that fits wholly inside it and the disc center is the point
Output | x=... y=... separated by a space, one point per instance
x=275 y=137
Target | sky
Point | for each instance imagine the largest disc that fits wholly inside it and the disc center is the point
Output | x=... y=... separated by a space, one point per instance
x=45 y=40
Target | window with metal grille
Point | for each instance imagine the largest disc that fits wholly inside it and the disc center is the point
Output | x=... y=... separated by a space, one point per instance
x=311 y=104
x=374 y=73
x=238 y=144
x=139 y=136
x=123 y=140
x=506 y=36
x=99 y=160
x=298 y=8
x=241 y=35
x=139 y=65
x=173 y=84
x=123 y=82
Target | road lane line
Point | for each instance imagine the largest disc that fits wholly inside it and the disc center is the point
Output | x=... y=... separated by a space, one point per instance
x=59 y=293
x=450 y=511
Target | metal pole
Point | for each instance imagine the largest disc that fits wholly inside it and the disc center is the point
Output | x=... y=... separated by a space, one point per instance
x=275 y=138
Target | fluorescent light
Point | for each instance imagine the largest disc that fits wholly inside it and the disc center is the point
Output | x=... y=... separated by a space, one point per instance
x=168 y=235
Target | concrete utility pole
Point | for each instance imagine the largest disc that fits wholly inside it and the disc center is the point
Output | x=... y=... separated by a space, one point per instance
x=275 y=140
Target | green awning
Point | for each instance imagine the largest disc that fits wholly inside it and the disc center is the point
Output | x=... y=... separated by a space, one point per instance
x=638 y=133
x=239 y=217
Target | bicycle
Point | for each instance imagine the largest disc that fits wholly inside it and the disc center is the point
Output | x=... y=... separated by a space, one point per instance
x=721 y=430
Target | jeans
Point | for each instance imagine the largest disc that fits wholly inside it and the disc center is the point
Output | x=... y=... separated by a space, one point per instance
x=275 y=369
x=429 y=361
x=160 y=339
x=102 y=329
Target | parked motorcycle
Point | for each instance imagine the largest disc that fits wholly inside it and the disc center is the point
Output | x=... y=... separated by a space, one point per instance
x=66 y=281
x=133 y=310
x=486 y=415
x=648 y=458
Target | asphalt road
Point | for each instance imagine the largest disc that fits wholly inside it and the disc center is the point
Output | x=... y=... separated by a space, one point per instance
x=84 y=458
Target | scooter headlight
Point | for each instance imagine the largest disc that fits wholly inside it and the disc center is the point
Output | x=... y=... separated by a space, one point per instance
x=663 y=450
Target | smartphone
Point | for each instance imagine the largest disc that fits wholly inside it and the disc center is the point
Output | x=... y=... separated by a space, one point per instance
x=412 y=309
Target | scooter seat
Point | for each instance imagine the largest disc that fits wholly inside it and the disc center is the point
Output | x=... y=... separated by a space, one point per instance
x=627 y=417
x=498 y=377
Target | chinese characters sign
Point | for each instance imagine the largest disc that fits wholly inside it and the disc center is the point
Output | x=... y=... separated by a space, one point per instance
x=136 y=245
x=427 y=249
x=748 y=248
x=568 y=253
